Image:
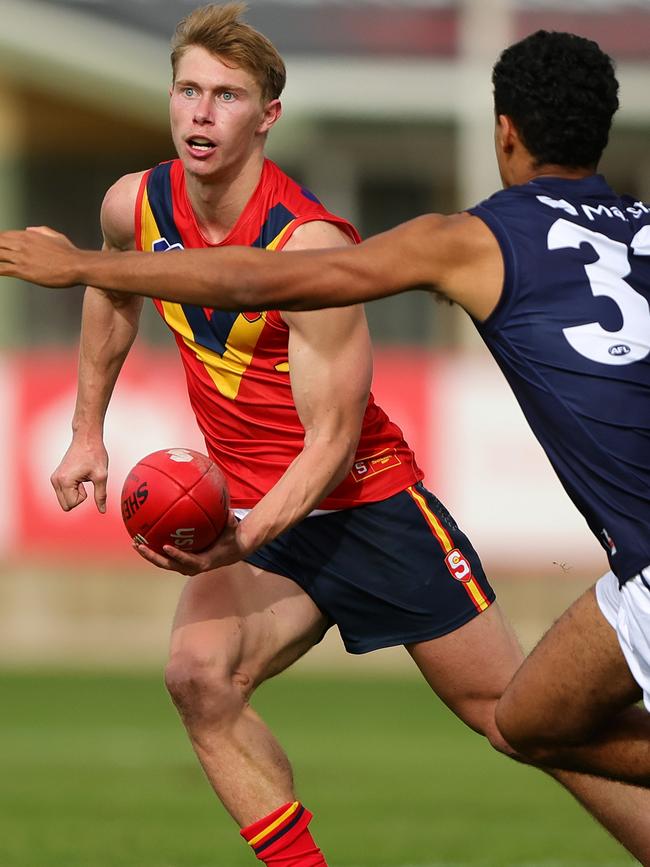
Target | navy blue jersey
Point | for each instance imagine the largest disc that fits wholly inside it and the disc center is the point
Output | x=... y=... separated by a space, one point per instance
x=571 y=333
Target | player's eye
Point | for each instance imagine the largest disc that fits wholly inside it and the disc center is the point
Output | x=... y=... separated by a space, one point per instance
x=228 y=96
x=189 y=92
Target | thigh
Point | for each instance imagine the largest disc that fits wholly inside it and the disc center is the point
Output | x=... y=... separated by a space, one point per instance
x=470 y=667
x=244 y=620
x=627 y=609
x=573 y=681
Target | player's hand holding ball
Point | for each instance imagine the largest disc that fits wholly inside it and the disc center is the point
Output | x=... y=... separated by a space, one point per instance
x=175 y=506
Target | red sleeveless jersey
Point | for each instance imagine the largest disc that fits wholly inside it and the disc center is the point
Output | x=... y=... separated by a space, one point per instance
x=236 y=364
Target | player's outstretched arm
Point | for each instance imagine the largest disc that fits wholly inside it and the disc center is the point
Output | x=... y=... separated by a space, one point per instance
x=228 y=277
x=458 y=256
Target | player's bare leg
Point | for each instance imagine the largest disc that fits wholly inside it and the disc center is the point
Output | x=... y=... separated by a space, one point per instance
x=470 y=668
x=621 y=808
x=234 y=628
x=571 y=702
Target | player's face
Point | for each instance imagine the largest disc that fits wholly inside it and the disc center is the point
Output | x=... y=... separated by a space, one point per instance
x=218 y=118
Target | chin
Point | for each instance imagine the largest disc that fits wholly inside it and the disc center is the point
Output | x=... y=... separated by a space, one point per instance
x=200 y=169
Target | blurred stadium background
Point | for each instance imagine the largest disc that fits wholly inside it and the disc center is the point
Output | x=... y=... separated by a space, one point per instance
x=387 y=115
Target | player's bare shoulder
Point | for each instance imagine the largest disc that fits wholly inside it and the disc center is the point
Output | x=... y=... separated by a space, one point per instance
x=457 y=255
x=474 y=269
x=318 y=234
x=456 y=235
x=118 y=212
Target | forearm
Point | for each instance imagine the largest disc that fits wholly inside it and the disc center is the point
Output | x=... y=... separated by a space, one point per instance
x=240 y=278
x=316 y=471
x=234 y=278
x=107 y=333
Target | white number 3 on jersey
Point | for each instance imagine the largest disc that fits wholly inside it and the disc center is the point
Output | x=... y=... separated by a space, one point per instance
x=607 y=277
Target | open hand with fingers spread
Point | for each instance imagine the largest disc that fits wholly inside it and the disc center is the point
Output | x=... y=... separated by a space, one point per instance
x=39 y=255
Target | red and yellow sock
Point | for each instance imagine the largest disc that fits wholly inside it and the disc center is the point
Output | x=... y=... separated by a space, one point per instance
x=282 y=839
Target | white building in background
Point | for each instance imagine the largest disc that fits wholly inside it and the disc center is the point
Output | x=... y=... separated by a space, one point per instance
x=387 y=114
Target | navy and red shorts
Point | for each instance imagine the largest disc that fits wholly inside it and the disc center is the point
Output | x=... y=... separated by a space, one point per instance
x=394 y=572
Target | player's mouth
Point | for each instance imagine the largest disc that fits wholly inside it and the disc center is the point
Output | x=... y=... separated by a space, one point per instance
x=200 y=147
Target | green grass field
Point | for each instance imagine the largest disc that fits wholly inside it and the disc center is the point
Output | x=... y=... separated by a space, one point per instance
x=95 y=771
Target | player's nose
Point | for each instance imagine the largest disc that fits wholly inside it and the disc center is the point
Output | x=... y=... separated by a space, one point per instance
x=204 y=112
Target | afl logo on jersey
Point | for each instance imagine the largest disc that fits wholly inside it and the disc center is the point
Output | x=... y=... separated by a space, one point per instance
x=619 y=349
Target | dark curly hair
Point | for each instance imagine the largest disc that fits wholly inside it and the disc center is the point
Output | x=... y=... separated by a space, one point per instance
x=560 y=91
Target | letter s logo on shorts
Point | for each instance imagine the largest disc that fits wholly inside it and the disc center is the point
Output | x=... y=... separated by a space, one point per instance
x=459 y=566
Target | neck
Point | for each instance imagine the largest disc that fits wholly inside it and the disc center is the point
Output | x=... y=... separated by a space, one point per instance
x=556 y=171
x=219 y=200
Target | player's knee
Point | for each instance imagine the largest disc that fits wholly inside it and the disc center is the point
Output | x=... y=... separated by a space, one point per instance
x=514 y=727
x=479 y=715
x=508 y=721
x=495 y=737
x=514 y=742
x=204 y=691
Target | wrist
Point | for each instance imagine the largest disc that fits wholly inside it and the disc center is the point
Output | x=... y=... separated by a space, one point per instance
x=81 y=267
x=88 y=435
x=247 y=537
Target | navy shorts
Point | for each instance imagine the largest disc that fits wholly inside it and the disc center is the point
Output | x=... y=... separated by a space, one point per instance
x=393 y=572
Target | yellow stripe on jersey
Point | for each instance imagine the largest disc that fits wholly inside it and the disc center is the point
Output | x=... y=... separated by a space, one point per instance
x=149 y=231
x=225 y=371
x=472 y=587
x=233 y=364
x=270 y=828
x=177 y=320
x=275 y=242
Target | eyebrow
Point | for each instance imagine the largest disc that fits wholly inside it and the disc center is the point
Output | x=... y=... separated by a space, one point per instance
x=187 y=82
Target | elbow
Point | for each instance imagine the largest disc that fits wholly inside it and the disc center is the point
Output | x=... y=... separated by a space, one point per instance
x=337 y=450
x=350 y=453
x=121 y=300
x=346 y=446
x=345 y=463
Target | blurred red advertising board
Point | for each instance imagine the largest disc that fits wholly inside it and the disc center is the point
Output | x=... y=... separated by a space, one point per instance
x=149 y=410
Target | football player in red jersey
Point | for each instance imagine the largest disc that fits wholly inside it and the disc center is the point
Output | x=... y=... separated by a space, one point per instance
x=290 y=394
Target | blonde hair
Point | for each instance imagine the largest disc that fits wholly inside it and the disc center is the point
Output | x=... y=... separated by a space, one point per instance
x=220 y=30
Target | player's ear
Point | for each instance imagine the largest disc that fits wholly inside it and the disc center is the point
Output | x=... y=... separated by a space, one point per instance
x=506 y=133
x=271 y=113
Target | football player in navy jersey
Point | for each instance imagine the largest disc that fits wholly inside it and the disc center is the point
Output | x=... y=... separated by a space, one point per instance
x=555 y=272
